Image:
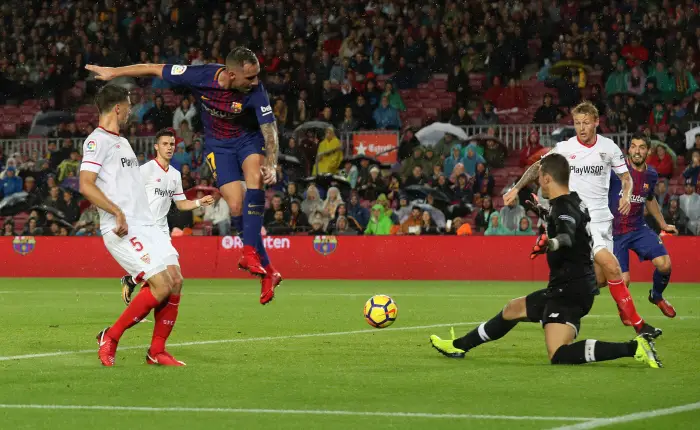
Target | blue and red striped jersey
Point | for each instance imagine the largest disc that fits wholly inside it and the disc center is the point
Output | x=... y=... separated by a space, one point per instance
x=229 y=117
x=643 y=186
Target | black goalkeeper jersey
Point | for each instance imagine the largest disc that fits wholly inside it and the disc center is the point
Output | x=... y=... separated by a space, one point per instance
x=571 y=267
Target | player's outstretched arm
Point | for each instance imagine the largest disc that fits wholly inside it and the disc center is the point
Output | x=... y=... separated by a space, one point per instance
x=528 y=177
x=89 y=190
x=190 y=205
x=269 y=132
x=135 y=71
x=655 y=211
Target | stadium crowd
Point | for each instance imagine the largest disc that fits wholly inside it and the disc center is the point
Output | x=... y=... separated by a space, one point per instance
x=349 y=65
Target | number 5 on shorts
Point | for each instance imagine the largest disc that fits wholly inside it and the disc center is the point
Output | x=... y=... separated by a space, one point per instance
x=136 y=244
x=211 y=161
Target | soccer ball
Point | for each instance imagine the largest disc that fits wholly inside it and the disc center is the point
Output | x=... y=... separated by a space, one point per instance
x=381 y=311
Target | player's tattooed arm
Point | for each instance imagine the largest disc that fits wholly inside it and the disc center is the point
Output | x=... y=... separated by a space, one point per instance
x=625 y=200
x=269 y=132
x=528 y=177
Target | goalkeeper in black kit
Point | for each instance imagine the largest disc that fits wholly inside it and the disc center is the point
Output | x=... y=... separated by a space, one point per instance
x=571 y=290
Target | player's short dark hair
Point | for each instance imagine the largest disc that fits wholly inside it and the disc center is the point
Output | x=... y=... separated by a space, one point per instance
x=641 y=136
x=109 y=96
x=165 y=132
x=556 y=166
x=241 y=56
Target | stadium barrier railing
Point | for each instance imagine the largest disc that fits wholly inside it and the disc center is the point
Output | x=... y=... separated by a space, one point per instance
x=327 y=257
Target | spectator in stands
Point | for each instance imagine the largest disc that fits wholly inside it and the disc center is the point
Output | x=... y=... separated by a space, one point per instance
x=683 y=80
x=90 y=216
x=690 y=204
x=342 y=228
x=363 y=113
x=456 y=158
x=636 y=113
x=487 y=116
x=428 y=225
x=69 y=207
x=160 y=115
x=524 y=227
x=532 y=147
x=393 y=96
x=635 y=53
x=658 y=116
x=483 y=217
x=495 y=153
x=494 y=92
x=298 y=220
x=329 y=154
x=356 y=211
x=219 y=215
x=495 y=228
x=412 y=225
x=461 y=118
x=69 y=165
x=473 y=61
x=379 y=224
x=9 y=228
x=312 y=203
x=184 y=112
x=692 y=172
x=333 y=200
x=275 y=206
x=417 y=177
x=185 y=133
x=661 y=161
x=317 y=225
x=277 y=225
x=513 y=96
x=458 y=83
x=547 y=113
x=372 y=94
x=33 y=193
x=349 y=124
x=11 y=184
x=462 y=191
x=511 y=214
x=636 y=82
x=182 y=158
x=386 y=117
x=31 y=228
x=141 y=107
x=617 y=81
x=674 y=215
x=693 y=107
x=471 y=159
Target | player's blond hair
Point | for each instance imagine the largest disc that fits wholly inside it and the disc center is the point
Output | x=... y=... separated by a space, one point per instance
x=585 y=108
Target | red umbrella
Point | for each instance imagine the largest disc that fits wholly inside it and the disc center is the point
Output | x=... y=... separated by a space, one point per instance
x=191 y=194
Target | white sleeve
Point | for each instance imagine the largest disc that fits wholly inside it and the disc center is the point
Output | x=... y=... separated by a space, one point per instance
x=94 y=155
x=179 y=194
x=556 y=149
x=618 y=160
x=145 y=171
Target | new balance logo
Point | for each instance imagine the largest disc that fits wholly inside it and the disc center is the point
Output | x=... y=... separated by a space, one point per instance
x=553 y=315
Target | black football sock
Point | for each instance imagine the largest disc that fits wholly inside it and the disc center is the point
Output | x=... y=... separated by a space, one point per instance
x=493 y=329
x=130 y=281
x=590 y=350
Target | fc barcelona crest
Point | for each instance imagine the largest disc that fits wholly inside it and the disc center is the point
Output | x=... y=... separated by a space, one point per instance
x=23 y=245
x=325 y=245
x=646 y=187
x=236 y=107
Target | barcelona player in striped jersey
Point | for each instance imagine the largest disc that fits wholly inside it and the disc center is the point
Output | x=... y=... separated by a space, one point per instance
x=241 y=142
x=630 y=232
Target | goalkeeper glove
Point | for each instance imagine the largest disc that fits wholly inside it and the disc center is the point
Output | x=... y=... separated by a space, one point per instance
x=540 y=246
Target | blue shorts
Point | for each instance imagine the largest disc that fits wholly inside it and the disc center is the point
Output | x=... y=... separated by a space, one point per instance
x=227 y=164
x=644 y=242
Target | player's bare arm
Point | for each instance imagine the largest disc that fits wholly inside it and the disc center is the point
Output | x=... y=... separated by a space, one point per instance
x=135 y=71
x=89 y=190
x=528 y=177
x=625 y=200
x=653 y=208
x=190 y=205
x=269 y=132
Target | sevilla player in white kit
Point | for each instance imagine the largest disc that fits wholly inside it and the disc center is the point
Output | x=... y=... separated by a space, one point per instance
x=163 y=185
x=110 y=179
x=591 y=157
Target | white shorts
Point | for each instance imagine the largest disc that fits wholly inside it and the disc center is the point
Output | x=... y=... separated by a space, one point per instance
x=601 y=231
x=141 y=253
x=172 y=257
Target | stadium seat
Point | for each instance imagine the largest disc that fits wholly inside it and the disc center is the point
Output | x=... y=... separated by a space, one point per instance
x=8 y=129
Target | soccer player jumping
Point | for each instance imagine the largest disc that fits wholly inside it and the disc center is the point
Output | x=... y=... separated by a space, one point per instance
x=163 y=185
x=570 y=292
x=631 y=232
x=241 y=142
x=110 y=179
x=591 y=157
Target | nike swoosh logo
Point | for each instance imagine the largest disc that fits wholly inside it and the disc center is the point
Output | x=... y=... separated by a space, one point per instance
x=102 y=343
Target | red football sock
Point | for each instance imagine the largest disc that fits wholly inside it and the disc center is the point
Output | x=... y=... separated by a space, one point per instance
x=135 y=312
x=621 y=294
x=165 y=316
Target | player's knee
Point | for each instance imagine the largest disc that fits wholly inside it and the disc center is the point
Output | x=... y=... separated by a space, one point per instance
x=177 y=284
x=253 y=179
x=664 y=265
x=514 y=309
x=235 y=208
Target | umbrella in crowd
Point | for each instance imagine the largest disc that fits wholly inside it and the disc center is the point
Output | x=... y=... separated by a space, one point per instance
x=289 y=160
x=433 y=133
x=483 y=138
x=561 y=68
x=435 y=214
x=46 y=122
x=327 y=180
x=191 y=193
x=312 y=125
x=420 y=192
x=14 y=204
x=357 y=160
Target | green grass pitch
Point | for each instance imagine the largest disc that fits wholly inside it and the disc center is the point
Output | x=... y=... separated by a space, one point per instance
x=309 y=360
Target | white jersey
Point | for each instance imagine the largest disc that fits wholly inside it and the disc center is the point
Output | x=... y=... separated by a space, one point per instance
x=590 y=172
x=162 y=188
x=118 y=177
